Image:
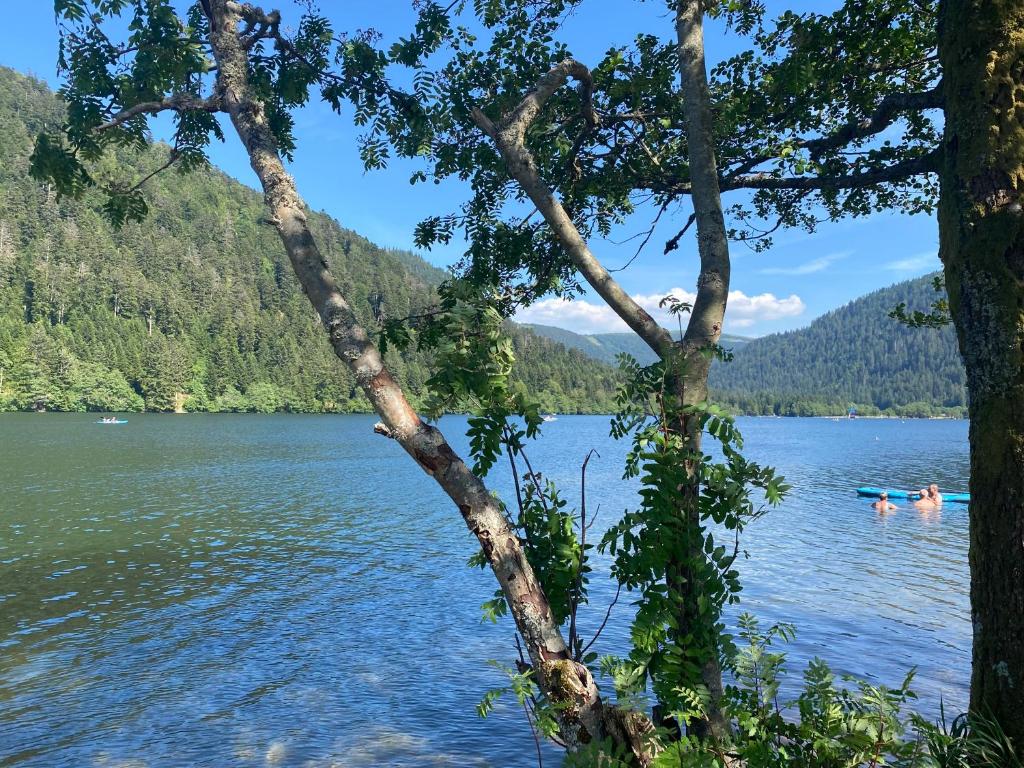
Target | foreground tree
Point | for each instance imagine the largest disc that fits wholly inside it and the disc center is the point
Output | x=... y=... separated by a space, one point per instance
x=981 y=228
x=684 y=568
x=825 y=116
x=215 y=62
x=630 y=137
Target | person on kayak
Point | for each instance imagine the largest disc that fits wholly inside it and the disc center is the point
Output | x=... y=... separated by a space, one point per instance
x=883 y=504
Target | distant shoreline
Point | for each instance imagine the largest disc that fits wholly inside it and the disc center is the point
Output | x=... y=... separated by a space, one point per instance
x=876 y=417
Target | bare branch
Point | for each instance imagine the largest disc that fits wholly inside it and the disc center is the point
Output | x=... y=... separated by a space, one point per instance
x=574 y=595
x=604 y=623
x=172 y=158
x=180 y=102
x=672 y=244
x=647 y=238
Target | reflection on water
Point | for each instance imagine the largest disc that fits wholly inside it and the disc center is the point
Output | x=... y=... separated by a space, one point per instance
x=292 y=591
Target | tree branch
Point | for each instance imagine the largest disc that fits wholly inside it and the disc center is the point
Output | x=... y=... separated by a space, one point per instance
x=928 y=163
x=180 y=102
x=519 y=120
x=509 y=137
x=883 y=116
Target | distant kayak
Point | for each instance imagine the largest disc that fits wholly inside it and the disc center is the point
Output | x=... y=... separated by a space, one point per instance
x=961 y=498
x=114 y=421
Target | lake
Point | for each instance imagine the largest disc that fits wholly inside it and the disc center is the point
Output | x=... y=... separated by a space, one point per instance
x=285 y=590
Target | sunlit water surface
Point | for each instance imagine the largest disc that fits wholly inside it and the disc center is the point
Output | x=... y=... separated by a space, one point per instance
x=292 y=590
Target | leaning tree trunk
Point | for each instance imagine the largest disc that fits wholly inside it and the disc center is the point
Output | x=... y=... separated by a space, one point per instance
x=981 y=243
x=569 y=685
x=705 y=325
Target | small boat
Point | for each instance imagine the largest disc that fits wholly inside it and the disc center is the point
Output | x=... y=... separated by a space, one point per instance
x=112 y=421
x=548 y=417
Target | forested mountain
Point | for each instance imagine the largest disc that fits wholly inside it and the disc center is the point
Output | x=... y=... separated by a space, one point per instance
x=197 y=306
x=853 y=356
x=607 y=346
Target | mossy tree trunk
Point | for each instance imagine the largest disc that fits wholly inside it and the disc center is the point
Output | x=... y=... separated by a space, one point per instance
x=981 y=229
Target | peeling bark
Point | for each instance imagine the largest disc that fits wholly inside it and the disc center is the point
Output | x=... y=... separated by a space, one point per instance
x=563 y=681
x=981 y=244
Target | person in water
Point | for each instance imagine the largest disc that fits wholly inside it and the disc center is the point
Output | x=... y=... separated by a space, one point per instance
x=930 y=498
x=883 y=504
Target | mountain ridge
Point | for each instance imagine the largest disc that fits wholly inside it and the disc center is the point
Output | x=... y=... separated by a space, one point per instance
x=853 y=356
x=607 y=346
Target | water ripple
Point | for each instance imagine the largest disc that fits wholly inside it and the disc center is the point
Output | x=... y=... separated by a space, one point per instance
x=292 y=591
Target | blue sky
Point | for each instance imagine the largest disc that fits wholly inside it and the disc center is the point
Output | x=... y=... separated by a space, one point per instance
x=801 y=277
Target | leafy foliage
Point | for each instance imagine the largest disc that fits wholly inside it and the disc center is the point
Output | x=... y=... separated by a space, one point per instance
x=799 y=113
x=938 y=315
x=664 y=555
x=830 y=723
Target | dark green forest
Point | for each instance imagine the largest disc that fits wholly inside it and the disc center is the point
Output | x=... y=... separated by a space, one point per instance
x=855 y=356
x=196 y=308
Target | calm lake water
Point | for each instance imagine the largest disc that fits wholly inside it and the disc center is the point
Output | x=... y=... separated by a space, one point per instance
x=222 y=590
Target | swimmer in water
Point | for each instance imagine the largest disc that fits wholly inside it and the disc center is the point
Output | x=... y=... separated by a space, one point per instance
x=926 y=501
x=883 y=504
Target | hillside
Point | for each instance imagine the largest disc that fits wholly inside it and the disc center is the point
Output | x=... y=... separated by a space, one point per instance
x=607 y=346
x=853 y=356
x=197 y=306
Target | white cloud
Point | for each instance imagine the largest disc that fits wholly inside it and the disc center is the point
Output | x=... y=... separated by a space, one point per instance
x=808 y=267
x=584 y=316
x=918 y=263
x=580 y=316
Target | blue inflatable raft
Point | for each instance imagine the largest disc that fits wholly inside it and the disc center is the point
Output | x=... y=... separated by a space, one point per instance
x=117 y=421
x=961 y=498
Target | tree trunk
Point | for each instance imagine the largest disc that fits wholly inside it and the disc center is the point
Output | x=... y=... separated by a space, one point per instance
x=566 y=683
x=981 y=243
x=705 y=325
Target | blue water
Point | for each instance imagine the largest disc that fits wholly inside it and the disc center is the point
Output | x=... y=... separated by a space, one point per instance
x=291 y=590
